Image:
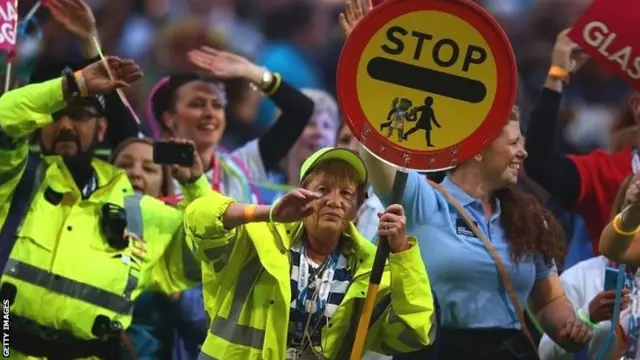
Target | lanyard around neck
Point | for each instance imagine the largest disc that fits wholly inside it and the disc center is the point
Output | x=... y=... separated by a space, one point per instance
x=318 y=306
x=215 y=179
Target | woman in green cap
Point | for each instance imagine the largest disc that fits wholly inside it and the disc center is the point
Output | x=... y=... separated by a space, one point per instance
x=291 y=278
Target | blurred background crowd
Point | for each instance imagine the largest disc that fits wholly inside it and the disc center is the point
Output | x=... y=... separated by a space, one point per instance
x=301 y=40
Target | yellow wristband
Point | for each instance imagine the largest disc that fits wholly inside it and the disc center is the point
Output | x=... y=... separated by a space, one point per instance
x=559 y=73
x=618 y=229
x=250 y=213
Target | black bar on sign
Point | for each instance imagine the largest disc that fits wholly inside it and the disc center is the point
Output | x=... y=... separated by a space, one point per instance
x=423 y=79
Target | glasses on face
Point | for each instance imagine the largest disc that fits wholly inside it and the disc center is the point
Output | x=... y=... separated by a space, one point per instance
x=77 y=113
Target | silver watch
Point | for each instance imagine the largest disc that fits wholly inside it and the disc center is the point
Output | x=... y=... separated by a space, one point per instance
x=267 y=78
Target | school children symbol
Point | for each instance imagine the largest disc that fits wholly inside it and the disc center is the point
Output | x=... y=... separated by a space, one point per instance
x=402 y=111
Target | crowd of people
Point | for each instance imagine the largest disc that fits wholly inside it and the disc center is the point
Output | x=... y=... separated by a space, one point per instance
x=262 y=245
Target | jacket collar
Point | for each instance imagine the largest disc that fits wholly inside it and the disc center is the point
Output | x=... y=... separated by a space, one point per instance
x=107 y=176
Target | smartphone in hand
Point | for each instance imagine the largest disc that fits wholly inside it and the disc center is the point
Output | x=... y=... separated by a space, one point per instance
x=170 y=153
x=610 y=279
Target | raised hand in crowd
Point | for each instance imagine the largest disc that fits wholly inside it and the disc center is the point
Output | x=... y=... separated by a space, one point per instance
x=77 y=18
x=392 y=225
x=294 y=205
x=187 y=174
x=353 y=12
x=97 y=79
x=225 y=65
x=601 y=307
x=567 y=55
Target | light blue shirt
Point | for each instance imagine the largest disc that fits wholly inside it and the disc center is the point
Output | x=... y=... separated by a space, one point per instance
x=462 y=271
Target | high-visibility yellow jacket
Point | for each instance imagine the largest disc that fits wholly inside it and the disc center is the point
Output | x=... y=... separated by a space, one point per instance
x=251 y=291
x=64 y=270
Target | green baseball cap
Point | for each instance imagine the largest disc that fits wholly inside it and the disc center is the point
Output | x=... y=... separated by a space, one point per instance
x=330 y=153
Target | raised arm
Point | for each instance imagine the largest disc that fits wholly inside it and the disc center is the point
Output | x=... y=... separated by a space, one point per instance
x=215 y=223
x=296 y=107
x=77 y=18
x=22 y=112
x=555 y=172
x=296 y=111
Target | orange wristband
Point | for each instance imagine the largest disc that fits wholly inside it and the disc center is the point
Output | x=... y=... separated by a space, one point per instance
x=559 y=73
x=250 y=213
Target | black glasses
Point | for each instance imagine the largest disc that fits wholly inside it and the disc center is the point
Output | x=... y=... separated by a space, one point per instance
x=77 y=113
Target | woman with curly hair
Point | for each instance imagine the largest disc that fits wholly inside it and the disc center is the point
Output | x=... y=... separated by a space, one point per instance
x=489 y=250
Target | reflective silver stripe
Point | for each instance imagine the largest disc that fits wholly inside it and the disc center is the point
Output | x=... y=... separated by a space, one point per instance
x=191 y=265
x=6 y=177
x=43 y=332
x=133 y=208
x=204 y=356
x=65 y=286
x=229 y=329
x=132 y=283
x=219 y=252
x=408 y=336
x=219 y=265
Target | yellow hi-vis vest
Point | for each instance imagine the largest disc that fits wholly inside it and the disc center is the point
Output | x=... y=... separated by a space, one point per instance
x=64 y=271
x=252 y=290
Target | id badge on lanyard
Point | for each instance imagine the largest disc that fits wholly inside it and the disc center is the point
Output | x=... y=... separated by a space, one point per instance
x=318 y=306
x=635 y=160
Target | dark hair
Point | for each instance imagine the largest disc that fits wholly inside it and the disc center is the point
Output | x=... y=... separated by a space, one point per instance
x=529 y=227
x=166 y=188
x=163 y=96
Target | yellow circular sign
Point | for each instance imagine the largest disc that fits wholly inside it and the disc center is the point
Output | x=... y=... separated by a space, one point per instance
x=426 y=50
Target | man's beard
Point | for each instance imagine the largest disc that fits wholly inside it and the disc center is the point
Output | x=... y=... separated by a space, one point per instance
x=82 y=158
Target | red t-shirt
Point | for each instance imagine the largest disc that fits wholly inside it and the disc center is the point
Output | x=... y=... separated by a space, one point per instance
x=601 y=175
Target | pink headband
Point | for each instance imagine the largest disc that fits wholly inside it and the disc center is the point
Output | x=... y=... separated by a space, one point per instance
x=153 y=122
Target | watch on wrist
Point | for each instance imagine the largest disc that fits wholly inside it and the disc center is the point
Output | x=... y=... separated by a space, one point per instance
x=73 y=90
x=267 y=79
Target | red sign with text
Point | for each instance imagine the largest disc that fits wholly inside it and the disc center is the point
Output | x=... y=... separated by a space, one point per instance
x=8 y=25
x=608 y=31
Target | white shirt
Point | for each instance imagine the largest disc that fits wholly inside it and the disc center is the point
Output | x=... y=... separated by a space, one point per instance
x=581 y=283
x=367 y=218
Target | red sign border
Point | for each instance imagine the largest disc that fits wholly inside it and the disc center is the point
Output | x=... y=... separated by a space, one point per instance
x=426 y=160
